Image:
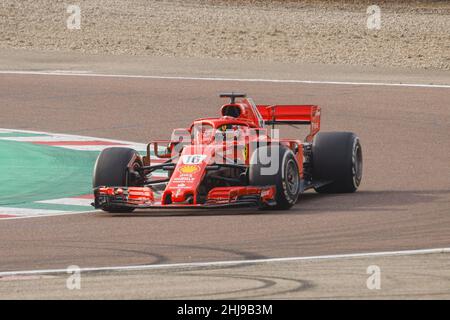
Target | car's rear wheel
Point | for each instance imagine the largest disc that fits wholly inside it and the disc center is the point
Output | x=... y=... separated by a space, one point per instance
x=112 y=170
x=337 y=162
x=277 y=166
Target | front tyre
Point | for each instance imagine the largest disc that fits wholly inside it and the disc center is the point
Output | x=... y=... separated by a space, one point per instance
x=276 y=165
x=337 y=161
x=112 y=170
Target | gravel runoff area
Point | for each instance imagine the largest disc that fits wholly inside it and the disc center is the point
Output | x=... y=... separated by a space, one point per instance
x=413 y=34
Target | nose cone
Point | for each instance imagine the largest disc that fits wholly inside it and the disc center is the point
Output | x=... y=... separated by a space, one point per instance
x=187 y=176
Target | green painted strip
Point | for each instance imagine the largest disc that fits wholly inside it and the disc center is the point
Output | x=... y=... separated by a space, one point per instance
x=31 y=173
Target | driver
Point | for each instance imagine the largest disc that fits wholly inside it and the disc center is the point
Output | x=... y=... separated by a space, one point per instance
x=202 y=133
x=230 y=131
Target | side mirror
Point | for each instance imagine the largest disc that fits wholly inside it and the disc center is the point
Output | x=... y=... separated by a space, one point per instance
x=162 y=151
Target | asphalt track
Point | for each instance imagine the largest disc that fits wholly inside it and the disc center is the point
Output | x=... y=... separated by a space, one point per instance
x=403 y=202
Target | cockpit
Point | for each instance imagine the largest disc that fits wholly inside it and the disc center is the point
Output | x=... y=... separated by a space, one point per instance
x=204 y=133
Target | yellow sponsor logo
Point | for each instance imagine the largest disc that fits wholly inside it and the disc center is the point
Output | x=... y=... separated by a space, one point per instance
x=189 y=169
x=245 y=152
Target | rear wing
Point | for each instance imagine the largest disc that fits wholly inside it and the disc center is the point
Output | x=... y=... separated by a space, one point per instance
x=292 y=114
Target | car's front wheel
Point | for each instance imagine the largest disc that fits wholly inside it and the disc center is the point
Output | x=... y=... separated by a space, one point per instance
x=112 y=170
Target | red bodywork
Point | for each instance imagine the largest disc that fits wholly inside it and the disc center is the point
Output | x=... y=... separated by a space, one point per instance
x=191 y=155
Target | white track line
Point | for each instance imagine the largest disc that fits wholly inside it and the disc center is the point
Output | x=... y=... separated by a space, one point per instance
x=57 y=214
x=70 y=136
x=53 y=73
x=69 y=202
x=232 y=262
x=6 y=131
x=51 y=138
x=99 y=147
x=67 y=137
x=26 y=211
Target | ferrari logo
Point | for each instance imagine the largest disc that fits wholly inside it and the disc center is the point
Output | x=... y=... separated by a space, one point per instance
x=245 y=152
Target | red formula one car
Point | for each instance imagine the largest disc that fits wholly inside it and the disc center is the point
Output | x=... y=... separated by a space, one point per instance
x=236 y=159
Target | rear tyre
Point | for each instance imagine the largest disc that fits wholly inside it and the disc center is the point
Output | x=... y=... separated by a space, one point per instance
x=281 y=170
x=111 y=170
x=337 y=158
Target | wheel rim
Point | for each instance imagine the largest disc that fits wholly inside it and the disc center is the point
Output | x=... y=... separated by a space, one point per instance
x=292 y=178
x=133 y=177
x=357 y=164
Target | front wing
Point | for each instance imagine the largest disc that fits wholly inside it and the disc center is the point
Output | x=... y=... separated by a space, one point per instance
x=221 y=197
